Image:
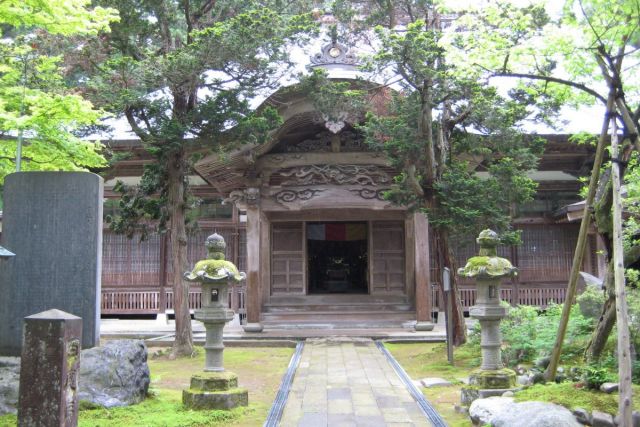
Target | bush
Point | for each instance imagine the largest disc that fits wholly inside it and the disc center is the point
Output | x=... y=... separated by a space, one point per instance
x=528 y=334
x=595 y=375
x=633 y=303
x=591 y=301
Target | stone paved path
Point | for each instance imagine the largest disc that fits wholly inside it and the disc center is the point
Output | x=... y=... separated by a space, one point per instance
x=348 y=382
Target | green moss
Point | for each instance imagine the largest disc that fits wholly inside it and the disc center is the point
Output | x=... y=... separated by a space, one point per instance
x=421 y=360
x=487 y=266
x=259 y=369
x=566 y=394
x=163 y=410
x=8 y=420
x=215 y=269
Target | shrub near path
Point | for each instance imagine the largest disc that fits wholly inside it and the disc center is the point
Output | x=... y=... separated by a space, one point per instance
x=259 y=369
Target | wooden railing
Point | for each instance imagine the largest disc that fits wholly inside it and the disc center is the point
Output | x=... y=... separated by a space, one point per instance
x=536 y=295
x=133 y=301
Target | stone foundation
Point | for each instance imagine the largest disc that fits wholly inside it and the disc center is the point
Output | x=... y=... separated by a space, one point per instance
x=215 y=390
x=487 y=383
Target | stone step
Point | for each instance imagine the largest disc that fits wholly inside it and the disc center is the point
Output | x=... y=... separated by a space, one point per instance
x=340 y=320
x=337 y=308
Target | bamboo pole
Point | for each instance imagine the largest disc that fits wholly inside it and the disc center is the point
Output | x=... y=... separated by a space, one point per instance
x=624 y=343
x=578 y=256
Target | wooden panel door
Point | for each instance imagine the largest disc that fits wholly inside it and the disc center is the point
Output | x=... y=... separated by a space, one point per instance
x=287 y=258
x=388 y=257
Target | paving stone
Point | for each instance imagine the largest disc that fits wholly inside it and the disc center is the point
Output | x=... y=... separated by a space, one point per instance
x=370 y=421
x=396 y=415
x=340 y=406
x=313 y=419
x=367 y=411
x=338 y=393
x=348 y=382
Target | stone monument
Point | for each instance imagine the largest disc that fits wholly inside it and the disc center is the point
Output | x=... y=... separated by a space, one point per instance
x=49 y=370
x=215 y=388
x=488 y=269
x=52 y=221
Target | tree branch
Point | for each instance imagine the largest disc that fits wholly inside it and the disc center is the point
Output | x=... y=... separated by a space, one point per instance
x=551 y=79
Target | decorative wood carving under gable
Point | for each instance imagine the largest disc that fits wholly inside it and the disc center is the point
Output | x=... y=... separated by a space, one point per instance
x=335 y=174
x=325 y=141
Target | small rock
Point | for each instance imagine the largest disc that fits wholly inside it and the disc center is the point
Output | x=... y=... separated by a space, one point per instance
x=635 y=418
x=601 y=419
x=523 y=380
x=560 y=370
x=609 y=387
x=434 y=382
x=534 y=414
x=582 y=415
x=537 y=378
x=507 y=394
x=543 y=362
x=9 y=384
x=461 y=409
x=483 y=411
x=520 y=370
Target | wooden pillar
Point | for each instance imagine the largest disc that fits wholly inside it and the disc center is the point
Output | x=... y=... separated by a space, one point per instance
x=422 y=273
x=253 y=298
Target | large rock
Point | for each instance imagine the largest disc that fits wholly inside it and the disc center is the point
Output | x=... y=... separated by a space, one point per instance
x=482 y=411
x=534 y=414
x=116 y=374
x=9 y=384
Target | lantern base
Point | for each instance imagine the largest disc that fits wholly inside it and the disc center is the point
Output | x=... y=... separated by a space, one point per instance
x=215 y=390
x=486 y=383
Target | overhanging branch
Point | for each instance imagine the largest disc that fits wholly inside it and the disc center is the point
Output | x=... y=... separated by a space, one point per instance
x=551 y=79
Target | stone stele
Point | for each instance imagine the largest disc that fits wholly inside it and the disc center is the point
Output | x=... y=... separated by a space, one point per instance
x=49 y=370
x=215 y=388
x=52 y=221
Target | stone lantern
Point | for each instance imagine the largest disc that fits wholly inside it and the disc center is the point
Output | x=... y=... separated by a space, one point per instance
x=216 y=388
x=488 y=269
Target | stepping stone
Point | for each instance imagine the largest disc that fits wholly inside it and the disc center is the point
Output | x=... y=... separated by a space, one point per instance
x=434 y=382
x=609 y=387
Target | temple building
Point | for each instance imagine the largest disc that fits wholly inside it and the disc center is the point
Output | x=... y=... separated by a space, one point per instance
x=304 y=216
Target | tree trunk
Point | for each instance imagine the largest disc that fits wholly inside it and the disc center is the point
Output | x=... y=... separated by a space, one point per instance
x=448 y=260
x=605 y=323
x=183 y=344
x=578 y=255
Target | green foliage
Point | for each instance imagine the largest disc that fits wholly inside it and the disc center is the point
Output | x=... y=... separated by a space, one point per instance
x=529 y=334
x=595 y=375
x=633 y=310
x=183 y=79
x=591 y=301
x=444 y=126
x=34 y=97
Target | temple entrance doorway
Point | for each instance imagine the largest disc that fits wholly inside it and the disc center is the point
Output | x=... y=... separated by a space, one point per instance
x=337 y=257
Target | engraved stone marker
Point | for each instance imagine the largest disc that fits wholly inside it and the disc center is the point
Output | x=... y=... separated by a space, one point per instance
x=52 y=221
x=49 y=370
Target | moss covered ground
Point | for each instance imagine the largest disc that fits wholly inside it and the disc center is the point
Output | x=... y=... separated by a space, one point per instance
x=569 y=395
x=430 y=360
x=259 y=369
x=421 y=360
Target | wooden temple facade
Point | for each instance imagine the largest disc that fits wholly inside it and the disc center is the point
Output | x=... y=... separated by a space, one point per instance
x=304 y=217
